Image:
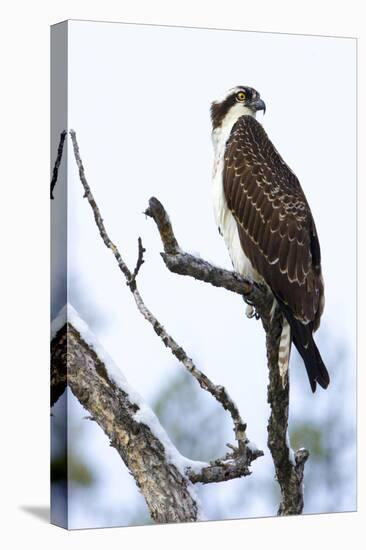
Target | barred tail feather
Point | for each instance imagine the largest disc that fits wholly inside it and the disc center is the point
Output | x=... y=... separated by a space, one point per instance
x=284 y=348
x=302 y=337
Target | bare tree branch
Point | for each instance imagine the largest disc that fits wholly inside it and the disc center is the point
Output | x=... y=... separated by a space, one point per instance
x=289 y=466
x=58 y=161
x=97 y=216
x=219 y=392
x=183 y=263
x=289 y=469
x=140 y=261
x=231 y=466
x=165 y=489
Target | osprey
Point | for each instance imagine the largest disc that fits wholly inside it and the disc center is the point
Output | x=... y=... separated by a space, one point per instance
x=263 y=215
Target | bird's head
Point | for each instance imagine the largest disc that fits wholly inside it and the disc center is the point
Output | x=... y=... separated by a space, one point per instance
x=238 y=101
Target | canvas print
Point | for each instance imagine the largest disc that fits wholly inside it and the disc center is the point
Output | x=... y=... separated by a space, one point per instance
x=203 y=334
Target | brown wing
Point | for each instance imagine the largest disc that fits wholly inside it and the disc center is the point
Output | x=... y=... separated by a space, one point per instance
x=276 y=228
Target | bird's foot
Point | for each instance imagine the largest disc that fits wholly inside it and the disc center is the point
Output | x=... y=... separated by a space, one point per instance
x=250 y=312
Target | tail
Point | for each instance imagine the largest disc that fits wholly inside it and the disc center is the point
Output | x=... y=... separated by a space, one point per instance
x=284 y=348
x=302 y=337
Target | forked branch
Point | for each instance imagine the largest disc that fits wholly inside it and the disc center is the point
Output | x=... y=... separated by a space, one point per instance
x=289 y=466
x=217 y=391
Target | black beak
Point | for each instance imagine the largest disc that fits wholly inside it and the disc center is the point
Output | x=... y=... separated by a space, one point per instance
x=259 y=105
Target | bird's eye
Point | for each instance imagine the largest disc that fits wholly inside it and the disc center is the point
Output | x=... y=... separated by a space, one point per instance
x=240 y=96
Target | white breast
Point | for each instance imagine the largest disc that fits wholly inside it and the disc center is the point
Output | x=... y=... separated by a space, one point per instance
x=224 y=218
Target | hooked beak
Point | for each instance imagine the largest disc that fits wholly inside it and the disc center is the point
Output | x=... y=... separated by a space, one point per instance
x=258 y=105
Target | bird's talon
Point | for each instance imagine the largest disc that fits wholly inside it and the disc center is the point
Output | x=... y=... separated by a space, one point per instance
x=250 y=311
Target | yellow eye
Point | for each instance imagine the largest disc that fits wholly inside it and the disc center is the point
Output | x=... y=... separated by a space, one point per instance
x=240 y=96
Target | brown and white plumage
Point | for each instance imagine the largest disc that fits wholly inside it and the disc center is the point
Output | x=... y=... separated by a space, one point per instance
x=267 y=224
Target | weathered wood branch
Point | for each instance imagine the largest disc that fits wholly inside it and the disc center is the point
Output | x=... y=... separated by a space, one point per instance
x=289 y=466
x=165 y=489
x=231 y=466
x=217 y=391
x=57 y=162
x=164 y=476
x=183 y=263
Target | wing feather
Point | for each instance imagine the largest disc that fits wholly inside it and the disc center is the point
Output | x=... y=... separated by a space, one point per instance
x=275 y=224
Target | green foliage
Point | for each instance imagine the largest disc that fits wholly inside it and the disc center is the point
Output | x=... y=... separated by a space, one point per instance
x=310 y=436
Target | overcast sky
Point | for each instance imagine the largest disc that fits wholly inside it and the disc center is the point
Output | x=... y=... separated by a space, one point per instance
x=139 y=99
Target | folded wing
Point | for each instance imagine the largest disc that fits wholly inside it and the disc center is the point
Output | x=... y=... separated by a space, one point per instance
x=275 y=224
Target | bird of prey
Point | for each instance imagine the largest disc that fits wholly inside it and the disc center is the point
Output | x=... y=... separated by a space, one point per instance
x=266 y=222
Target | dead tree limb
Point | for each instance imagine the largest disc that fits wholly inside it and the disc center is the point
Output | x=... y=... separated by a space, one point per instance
x=57 y=162
x=75 y=364
x=165 y=489
x=164 y=476
x=289 y=466
x=183 y=263
x=219 y=392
